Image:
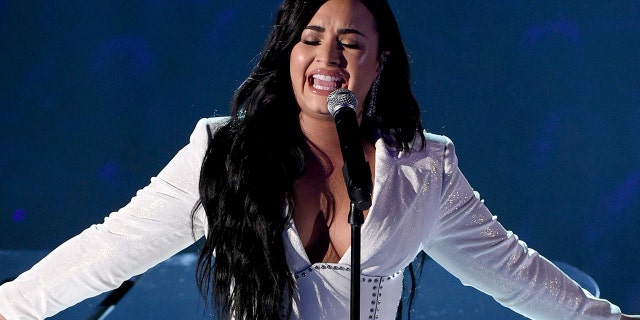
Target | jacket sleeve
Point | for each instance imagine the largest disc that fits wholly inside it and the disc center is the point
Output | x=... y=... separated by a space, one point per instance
x=469 y=242
x=152 y=227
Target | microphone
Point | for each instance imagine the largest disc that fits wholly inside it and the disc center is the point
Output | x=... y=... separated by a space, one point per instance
x=342 y=105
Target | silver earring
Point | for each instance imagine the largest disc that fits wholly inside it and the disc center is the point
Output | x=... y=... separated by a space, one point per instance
x=373 y=95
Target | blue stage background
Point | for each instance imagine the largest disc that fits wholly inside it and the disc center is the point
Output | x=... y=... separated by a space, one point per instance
x=541 y=98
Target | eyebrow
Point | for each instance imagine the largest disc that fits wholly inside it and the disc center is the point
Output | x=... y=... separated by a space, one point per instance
x=340 y=31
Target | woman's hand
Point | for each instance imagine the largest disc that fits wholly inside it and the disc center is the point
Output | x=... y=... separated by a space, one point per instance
x=2 y=318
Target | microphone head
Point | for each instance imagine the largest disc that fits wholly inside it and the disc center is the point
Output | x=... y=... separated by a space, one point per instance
x=341 y=98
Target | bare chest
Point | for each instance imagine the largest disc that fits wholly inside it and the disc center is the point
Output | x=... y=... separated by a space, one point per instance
x=322 y=225
x=322 y=208
x=321 y=218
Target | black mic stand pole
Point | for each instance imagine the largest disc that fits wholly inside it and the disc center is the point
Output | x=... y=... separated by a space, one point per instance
x=342 y=105
x=356 y=219
x=360 y=196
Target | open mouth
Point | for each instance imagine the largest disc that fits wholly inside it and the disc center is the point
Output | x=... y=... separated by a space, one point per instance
x=324 y=82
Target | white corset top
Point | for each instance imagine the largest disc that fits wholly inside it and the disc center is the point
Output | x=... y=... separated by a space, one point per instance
x=323 y=292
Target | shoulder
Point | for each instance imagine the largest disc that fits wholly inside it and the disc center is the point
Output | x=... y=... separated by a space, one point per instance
x=442 y=150
x=437 y=154
x=437 y=141
x=434 y=146
x=204 y=129
x=208 y=126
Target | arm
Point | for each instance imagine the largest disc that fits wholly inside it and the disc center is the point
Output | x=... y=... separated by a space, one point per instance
x=155 y=225
x=469 y=242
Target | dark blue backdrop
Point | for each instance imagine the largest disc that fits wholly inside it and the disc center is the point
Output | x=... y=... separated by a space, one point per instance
x=540 y=98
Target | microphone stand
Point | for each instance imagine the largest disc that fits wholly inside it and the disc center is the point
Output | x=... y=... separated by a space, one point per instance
x=356 y=219
x=360 y=196
x=342 y=105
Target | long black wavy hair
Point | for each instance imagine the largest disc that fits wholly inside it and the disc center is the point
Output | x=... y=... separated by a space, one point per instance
x=246 y=179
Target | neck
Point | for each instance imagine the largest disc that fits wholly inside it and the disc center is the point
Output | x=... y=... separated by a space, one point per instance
x=324 y=145
x=322 y=136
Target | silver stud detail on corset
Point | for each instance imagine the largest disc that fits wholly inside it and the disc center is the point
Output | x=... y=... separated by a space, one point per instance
x=376 y=292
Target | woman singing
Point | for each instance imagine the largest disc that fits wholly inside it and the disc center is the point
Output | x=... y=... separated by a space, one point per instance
x=265 y=188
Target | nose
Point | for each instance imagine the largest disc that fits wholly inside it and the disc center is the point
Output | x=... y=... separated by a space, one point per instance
x=330 y=53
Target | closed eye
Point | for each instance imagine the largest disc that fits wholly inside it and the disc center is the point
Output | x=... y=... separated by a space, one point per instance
x=347 y=38
x=351 y=44
x=311 y=42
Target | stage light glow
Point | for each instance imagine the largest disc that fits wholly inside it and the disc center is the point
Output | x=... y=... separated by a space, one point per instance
x=19 y=215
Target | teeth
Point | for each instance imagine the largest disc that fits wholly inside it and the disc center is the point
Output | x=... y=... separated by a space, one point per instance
x=319 y=87
x=326 y=82
x=326 y=77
